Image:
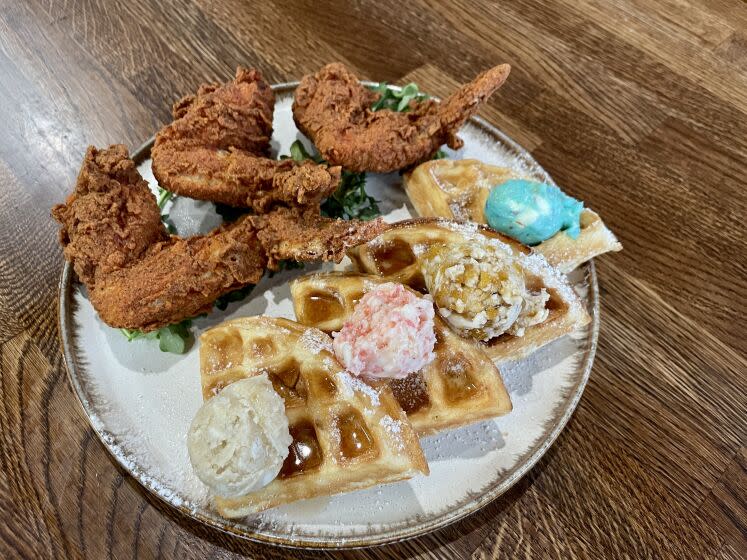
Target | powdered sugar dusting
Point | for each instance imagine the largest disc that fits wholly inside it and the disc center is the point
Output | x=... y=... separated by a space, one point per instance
x=350 y=384
x=465 y=228
x=394 y=429
x=419 y=248
x=315 y=341
x=536 y=264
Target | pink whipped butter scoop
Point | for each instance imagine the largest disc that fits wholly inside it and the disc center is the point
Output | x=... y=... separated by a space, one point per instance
x=389 y=334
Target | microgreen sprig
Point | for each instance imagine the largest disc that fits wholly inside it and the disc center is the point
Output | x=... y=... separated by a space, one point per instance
x=163 y=197
x=172 y=338
x=396 y=100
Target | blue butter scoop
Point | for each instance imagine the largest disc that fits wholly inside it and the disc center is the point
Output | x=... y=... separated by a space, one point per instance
x=532 y=212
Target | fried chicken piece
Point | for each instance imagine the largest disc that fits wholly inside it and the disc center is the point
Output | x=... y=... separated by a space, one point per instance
x=334 y=109
x=217 y=149
x=183 y=277
x=111 y=218
x=139 y=277
x=304 y=235
x=180 y=278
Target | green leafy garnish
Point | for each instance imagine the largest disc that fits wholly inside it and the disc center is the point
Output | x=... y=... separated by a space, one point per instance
x=298 y=154
x=440 y=154
x=172 y=338
x=175 y=338
x=350 y=200
x=133 y=334
x=170 y=227
x=163 y=197
x=396 y=100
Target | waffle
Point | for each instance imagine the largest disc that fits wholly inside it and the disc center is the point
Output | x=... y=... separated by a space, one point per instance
x=458 y=189
x=396 y=255
x=459 y=387
x=346 y=434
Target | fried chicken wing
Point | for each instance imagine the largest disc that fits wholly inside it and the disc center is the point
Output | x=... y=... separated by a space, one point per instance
x=111 y=218
x=334 y=109
x=139 y=277
x=217 y=149
x=180 y=278
x=304 y=235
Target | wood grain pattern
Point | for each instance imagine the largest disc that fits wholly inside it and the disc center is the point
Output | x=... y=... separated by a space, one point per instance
x=639 y=108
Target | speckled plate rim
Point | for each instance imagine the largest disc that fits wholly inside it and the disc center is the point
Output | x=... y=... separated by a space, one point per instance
x=387 y=536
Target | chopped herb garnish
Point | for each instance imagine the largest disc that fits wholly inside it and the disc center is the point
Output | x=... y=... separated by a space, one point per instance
x=440 y=154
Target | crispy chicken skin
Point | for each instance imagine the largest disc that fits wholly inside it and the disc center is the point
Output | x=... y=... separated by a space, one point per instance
x=217 y=149
x=180 y=278
x=111 y=218
x=139 y=277
x=303 y=235
x=334 y=109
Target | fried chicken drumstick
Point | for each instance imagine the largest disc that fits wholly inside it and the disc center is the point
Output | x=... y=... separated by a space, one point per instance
x=334 y=109
x=139 y=277
x=217 y=149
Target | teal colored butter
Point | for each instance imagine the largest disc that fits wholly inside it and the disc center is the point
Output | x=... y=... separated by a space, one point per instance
x=532 y=212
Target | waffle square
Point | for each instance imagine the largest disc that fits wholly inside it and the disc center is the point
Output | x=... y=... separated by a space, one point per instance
x=347 y=434
x=397 y=253
x=460 y=387
x=458 y=189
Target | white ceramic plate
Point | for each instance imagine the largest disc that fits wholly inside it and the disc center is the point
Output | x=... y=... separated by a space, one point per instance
x=140 y=401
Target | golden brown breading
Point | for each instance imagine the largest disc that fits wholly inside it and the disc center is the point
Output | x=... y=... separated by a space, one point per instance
x=334 y=109
x=140 y=278
x=304 y=235
x=180 y=278
x=232 y=177
x=217 y=147
x=111 y=218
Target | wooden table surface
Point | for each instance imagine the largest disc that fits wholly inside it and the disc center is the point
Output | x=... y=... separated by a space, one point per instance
x=639 y=108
